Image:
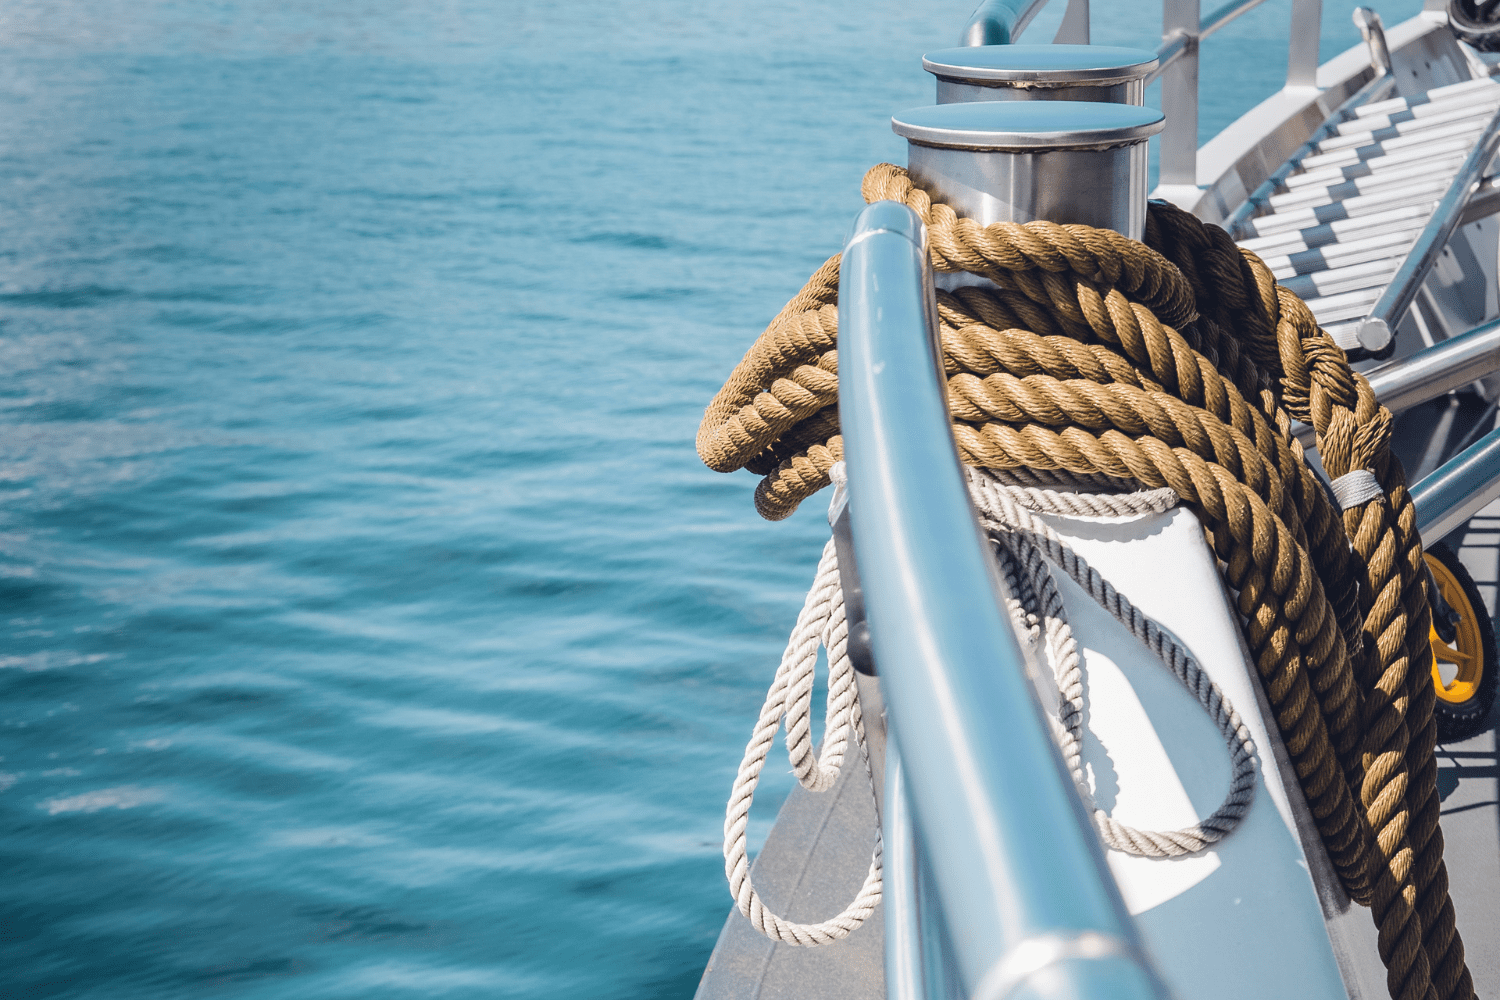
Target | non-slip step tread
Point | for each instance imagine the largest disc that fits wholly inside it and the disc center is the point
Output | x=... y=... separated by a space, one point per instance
x=1343 y=230
x=1352 y=207
x=1337 y=281
x=1469 y=115
x=1345 y=213
x=1340 y=255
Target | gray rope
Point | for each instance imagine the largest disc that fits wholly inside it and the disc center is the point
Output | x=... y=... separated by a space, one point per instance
x=1026 y=544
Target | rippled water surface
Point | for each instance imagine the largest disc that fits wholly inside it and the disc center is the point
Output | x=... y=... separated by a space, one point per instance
x=369 y=626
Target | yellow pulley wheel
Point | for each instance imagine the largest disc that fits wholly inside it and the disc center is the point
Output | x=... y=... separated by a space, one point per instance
x=1464 y=669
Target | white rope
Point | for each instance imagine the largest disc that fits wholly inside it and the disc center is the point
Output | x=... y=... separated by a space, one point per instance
x=1022 y=541
x=820 y=623
x=1024 y=544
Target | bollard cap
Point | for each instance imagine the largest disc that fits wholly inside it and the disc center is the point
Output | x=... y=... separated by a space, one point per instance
x=1040 y=65
x=1027 y=126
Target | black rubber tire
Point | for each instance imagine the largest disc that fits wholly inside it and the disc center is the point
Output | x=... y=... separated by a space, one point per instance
x=1459 y=721
x=1476 y=22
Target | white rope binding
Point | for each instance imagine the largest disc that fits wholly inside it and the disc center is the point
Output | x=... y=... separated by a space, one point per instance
x=1355 y=488
x=820 y=623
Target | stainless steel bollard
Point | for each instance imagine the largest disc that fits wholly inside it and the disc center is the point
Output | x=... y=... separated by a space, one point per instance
x=1018 y=161
x=1101 y=73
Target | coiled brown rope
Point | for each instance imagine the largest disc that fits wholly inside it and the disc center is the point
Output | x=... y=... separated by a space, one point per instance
x=1180 y=363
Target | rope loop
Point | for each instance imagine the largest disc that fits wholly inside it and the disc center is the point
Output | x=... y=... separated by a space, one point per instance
x=821 y=623
x=1026 y=545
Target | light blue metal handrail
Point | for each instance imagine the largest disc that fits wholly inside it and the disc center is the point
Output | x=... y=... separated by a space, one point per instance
x=904 y=979
x=1018 y=870
x=1461 y=488
x=1000 y=22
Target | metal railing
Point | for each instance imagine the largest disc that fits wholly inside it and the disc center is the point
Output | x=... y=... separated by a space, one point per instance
x=1379 y=325
x=1017 y=870
x=1000 y=22
x=1461 y=488
x=1430 y=373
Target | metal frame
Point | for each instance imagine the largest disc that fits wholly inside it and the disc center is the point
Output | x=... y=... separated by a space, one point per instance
x=1377 y=89
x=1000 y=22
x=1430 y=373
x=1018 y=871
x=1463 y=487
x=1377 y=329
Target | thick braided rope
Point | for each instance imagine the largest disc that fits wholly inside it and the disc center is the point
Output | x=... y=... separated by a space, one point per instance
x=1398 y=788
x=821 y=622
x=1326 y=621
x=1027 y=544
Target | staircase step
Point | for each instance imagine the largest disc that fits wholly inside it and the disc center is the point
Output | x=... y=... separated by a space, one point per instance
x=1404 y=177
x=1341 y=254
x=1337 y=281
x=1344 y=230
x=1412 y=161
x=1458 y=135
x=1475 y=114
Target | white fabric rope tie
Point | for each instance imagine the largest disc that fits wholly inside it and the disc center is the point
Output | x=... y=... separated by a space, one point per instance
x=1356 y=487
x=1023 y=540
x=821 y=622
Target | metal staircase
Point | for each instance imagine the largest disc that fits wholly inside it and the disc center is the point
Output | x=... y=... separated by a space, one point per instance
x=1339 y=220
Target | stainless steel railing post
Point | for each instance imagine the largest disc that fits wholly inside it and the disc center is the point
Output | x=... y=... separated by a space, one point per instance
x=1179 y=93
x=1302 y=48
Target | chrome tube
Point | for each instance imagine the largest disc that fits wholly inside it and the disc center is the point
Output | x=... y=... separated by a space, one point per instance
x=1429 y=373
x=1448 y=365
x=1000 y=22
x=1373 y=32
x=904 y=976
x=1375 y=332
x=1223 y=15
x=1461 y=488
x=1028 y=902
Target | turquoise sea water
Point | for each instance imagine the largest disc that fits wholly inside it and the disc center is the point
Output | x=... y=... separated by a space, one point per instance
x=369 y=626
